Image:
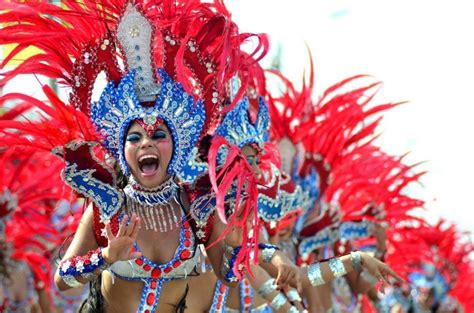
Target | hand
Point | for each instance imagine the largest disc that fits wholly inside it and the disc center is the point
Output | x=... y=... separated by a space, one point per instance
x=379 y=270
x=120 y=247
x=287 y=272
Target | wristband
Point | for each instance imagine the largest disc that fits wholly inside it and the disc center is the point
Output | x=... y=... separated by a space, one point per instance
x=267 y=288
x=356 y=260
x=71 y=281
x=278 y=301
x=314 y=274
x=268 y=251
x=337 y=267
x=293 y=295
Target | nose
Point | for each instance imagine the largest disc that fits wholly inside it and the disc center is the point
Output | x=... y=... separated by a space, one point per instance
x=147 y=142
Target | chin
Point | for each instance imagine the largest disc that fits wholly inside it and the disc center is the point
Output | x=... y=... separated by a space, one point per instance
x=151 y=182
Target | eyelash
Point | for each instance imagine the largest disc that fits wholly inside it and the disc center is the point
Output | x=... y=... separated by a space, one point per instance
x=134 y=138
x=159 y=134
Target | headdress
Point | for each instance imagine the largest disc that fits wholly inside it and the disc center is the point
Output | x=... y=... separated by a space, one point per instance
x=437 y=257
x=166 y=61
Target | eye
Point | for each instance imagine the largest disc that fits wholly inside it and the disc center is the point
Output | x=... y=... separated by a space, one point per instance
x=159 y=134
x=134 y=137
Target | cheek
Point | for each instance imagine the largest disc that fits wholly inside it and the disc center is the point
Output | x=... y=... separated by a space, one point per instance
x=129 y=152
x=166 y=148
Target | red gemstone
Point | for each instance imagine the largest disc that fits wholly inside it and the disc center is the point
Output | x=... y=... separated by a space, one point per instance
x=150 y=299
x=146 y=267
x=247 y=300
x=220 y=298
x=155 y=273
x=176 y=264
x=153 y=284
x=139 y=261
x=147 y=311
x=186 y=224
x=218 y=306
x=87 y=262
x=187 y=234
x=185 y=254
x=187 y=242
x=168 y=269
x=223 y=287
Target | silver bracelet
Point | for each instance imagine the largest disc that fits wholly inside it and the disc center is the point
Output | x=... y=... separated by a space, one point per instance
x=292 y=309
x=88 y=276
x=71 y=281
x=356 y=260
x=267 y=288
x=337 y=267
x=314 y=274
x=267 y=254
x=278 y=302
x=293 y=295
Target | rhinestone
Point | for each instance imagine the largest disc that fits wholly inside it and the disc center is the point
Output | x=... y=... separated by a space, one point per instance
x=215 y=94
x=208 y=64
x=172 y=42
x=139 y=58
x=140 y=68
x=87 y=61
x=192 y=49
x=78 y=84
x=167 y=38
x=133 y=31
x=103 y=47
x=107 y=42
x=209 y=70
x=137 y=47
x=214 y=100
x=87 y=55
x=150 y=119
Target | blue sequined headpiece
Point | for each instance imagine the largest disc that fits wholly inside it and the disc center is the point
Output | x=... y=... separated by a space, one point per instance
x=237 y=129
x=119 y=106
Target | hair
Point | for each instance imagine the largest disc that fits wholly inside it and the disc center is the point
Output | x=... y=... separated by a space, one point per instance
x=95 y=300
x=4 y=273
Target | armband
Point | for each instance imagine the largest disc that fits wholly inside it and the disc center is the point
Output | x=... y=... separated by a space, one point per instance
x=82 y=265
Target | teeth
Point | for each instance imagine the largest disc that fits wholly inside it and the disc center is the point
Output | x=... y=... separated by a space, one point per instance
x=147 y=156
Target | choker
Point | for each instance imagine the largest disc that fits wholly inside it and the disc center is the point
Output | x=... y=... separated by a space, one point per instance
x=154 y=206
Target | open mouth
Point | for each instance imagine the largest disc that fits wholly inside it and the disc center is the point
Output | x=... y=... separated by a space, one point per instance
x=148 y=164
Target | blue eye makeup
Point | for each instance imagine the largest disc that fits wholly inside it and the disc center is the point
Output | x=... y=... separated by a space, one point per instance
x=134 y=137
x=159 y=134
x=250 y=159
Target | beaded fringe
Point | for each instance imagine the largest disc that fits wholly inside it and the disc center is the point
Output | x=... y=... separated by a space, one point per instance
x=160 y=218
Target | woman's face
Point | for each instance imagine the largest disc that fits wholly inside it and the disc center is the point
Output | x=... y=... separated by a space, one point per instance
x=252 y=157
x=148 y=155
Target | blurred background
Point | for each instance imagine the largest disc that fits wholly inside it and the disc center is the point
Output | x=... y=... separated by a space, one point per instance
x=421 y=50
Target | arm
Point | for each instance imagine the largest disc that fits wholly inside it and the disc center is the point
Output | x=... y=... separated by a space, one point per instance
x=119 y=248
x=83 y=241
x=265 y=286
x=216 y=251
x=324 y=272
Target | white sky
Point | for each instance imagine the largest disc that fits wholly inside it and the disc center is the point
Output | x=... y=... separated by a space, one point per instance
x=423 y=52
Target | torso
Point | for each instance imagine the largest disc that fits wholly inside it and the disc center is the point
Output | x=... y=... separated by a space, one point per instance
x=162 y=264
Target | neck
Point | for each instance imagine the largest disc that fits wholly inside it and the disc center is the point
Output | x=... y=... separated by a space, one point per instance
x=154 y=206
